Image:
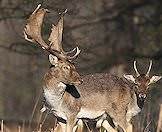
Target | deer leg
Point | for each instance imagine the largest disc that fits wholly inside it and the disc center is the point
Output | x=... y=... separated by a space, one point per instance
x=61 y=127
x=107 y=122
x=70 y=124
x=99 y=123
x=79 y=126
x=108 y=127
x=122 y=123
x=129 y=128
x=57 y=128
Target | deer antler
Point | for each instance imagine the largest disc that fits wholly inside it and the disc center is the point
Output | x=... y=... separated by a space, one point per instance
x=32 y=33
x=135 y=68
x=147 y=74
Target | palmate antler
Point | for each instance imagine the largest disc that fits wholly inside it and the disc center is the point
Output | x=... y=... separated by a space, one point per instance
x=32 y=33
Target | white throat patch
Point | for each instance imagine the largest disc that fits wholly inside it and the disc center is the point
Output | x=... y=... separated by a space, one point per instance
x=133 y=108
x=61 y=85
x=54 y=98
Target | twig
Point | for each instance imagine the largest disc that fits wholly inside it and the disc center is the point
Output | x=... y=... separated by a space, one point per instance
x=39 y=120
x=19 y=128
x=55 y=124
x=147 y=127
x=2 y=126
x=34 y=109
x=160 y=120
x=40 y=128
x=23 y=126
x=87 y=126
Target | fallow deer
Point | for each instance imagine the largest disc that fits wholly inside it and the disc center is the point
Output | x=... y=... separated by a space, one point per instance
x=138 y=94
x=100 y=95
x=62 y=71
x=105 y=94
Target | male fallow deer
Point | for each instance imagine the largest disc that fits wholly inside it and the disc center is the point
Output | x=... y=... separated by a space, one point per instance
x=99 y=96
x=62 y=71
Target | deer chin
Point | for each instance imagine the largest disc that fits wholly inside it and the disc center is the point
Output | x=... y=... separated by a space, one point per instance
x=76 y=83
x=140 y=99
x=72 y=83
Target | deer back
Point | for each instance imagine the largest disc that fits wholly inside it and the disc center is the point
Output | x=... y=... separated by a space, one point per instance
x=103 y=92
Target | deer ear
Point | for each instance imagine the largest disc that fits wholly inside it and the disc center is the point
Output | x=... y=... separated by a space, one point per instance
x=53 y=59
x=154 y=79
x=129 y=78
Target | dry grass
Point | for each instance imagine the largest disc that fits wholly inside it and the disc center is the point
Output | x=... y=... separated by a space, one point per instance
x=159 y=127
x=45 y=124
x=2 y=126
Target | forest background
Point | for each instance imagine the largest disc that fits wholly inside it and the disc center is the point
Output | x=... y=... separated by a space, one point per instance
x=110 y=33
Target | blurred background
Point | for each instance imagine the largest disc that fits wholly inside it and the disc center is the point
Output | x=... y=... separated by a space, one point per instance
x=110 y=33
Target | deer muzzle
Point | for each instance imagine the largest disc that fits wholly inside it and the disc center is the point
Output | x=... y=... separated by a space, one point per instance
x=142 y=95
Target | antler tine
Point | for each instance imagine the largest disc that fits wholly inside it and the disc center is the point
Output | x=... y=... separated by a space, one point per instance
x=75 y=55
x=38 y=7
x=147 y=74
x=64 y=12
x=70 y=52
x=135 y=68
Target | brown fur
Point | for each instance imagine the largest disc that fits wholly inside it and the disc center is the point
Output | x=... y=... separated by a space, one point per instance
x=63 y=73
x=99 y=92
x=142 y=83
x=57 y=74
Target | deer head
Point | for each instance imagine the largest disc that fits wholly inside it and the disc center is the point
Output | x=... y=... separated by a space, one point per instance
x=142 y=81
x=60 y=59
x=64 y=70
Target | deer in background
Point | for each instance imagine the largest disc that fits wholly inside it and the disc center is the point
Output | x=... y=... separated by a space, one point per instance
x=101 y=95
x=138 y=94
x=104 y=94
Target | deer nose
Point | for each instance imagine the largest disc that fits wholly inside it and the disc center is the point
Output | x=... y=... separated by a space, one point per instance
x=142 y=95
x=81 y=81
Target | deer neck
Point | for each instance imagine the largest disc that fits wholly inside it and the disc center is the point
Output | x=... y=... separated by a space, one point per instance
x=54 y=90
x=133 y=108
x=53 y=81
